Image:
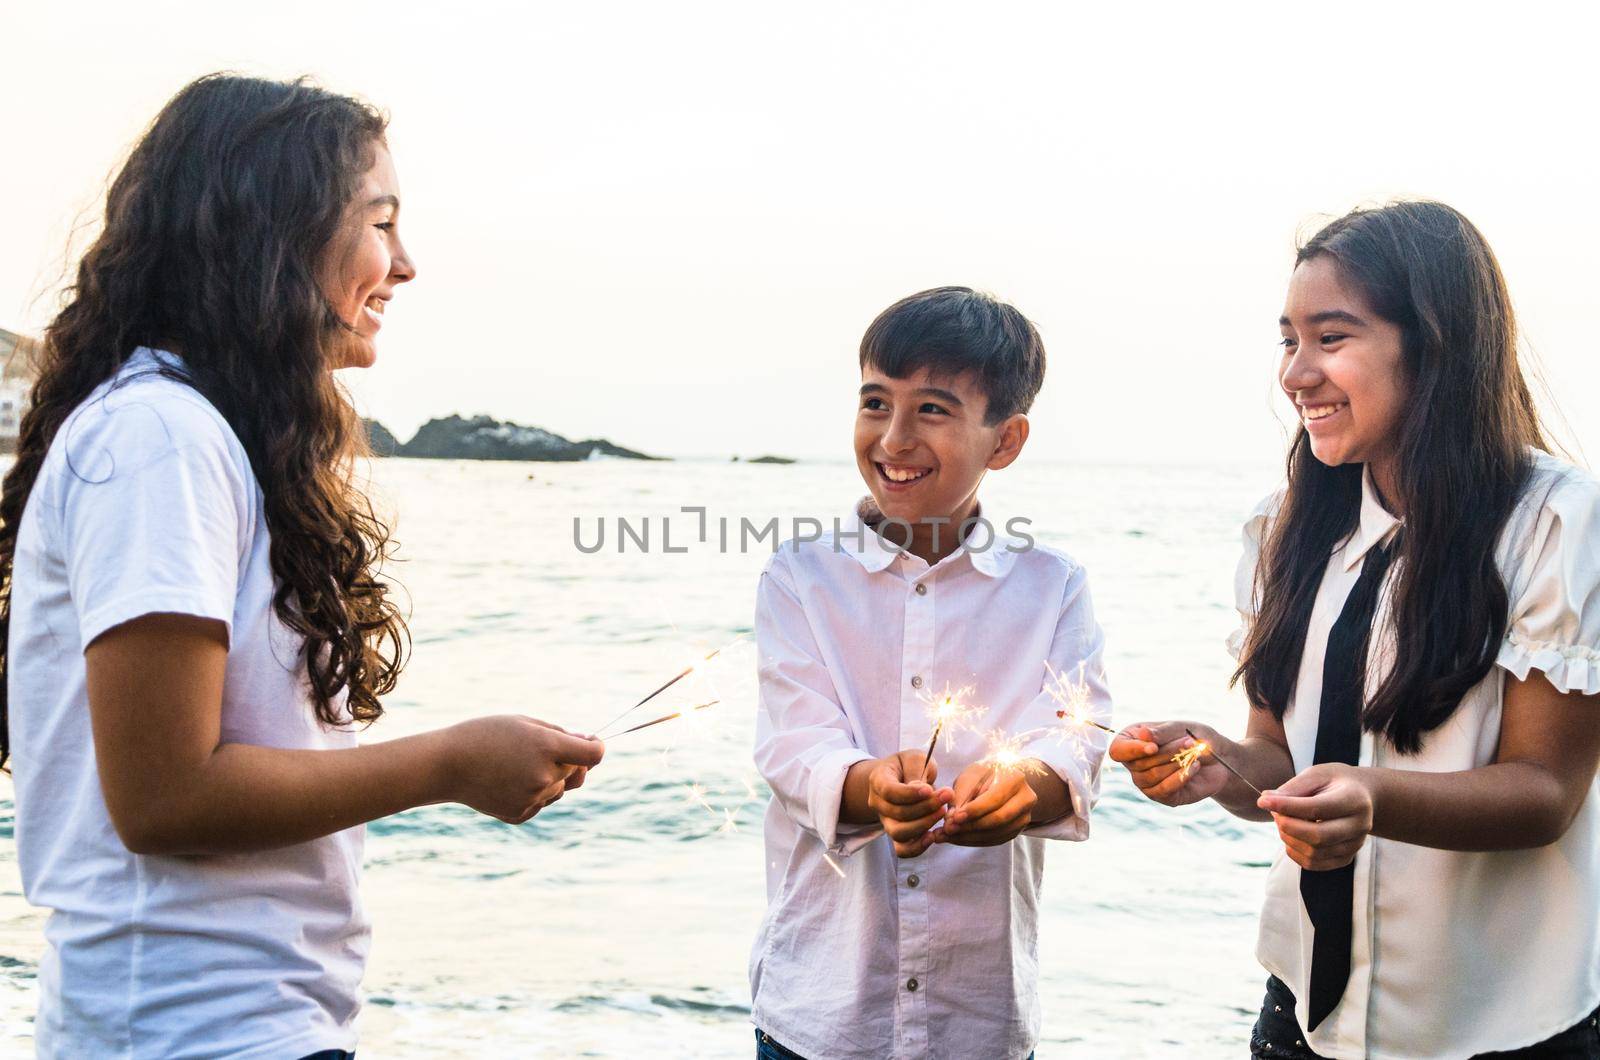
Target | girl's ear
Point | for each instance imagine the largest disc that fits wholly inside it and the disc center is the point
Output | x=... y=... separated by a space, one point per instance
x=1013 y=436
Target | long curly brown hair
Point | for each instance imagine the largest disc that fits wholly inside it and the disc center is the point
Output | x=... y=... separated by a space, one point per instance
x=218 y=230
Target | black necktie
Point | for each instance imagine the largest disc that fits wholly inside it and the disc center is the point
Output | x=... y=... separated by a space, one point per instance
x=1328 y=895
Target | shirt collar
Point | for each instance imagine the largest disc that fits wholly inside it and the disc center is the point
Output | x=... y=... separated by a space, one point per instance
x=876 y=554
x=1378 y=525
x=873 y=553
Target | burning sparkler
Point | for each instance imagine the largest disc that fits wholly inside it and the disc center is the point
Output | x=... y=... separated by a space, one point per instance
x=1190 y=755
x=685 y=672
x=664 y=717
x=1073 y=698
x=1195 y=751
x=947 y=709
x=1006 y=756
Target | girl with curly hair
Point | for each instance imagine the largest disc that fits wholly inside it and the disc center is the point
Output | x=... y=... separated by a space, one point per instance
x=193 y=615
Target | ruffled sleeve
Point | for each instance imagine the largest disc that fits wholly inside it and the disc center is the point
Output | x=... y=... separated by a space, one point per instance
x=1552 y=563
x=1244 y=576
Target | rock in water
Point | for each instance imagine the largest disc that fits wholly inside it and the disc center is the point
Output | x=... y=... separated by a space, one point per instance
x=484 y=438
x=379 y=440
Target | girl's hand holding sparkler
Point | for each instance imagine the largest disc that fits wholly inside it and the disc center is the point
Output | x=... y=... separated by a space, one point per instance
x=1173 y=762
x=897 y=791
x=1324 y=814
x=1179 y=762
x=994 y=805
x=510 y=767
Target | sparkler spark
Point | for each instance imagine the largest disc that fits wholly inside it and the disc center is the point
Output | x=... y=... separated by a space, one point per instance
x=832 y=864
x=1202 y=747
x=679 y=676
x=1006 y=756
x=1190 y=755
x=1073 y=698
x=730 y=823
x=663 y=718
x=697 y=796
x=948 y=711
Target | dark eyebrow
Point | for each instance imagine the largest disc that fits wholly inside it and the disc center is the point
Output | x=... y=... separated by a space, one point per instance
x=386 y=200
x=928 y=391
x=1329 y=316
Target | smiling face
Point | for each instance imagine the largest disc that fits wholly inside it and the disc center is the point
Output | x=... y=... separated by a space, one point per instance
x=922 y=446
x=1342 y=368
x=370 y=261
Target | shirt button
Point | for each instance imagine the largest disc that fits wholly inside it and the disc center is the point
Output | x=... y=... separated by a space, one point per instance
x=911 y=984
x=916 y=680
x=913 y=879
x=922 y=589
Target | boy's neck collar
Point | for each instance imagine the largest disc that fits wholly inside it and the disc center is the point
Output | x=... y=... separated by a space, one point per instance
x=877 y=551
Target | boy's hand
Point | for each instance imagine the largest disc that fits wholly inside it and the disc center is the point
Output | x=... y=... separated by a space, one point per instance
x=988 y=813
x=900 y=791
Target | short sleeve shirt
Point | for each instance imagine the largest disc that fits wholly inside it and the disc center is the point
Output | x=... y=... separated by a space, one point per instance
x=146 y=503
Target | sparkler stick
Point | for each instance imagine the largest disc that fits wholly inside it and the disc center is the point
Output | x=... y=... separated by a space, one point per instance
x=1189 y=755
x=927 y=755
x=1074 y=699
x=664 y=718
x=685 y=672
x=947 y=707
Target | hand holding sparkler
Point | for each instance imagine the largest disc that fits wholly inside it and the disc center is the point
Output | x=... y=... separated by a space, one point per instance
x=1174 y=763
x=1324 y=814
x=998 y=796
x=897 y=791
x=510 y=767
x=949 y=712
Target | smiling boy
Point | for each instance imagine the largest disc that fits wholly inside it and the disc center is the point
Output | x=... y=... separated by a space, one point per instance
x=923 y=945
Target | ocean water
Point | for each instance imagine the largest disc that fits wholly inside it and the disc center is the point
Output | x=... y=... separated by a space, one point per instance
x=617 y=923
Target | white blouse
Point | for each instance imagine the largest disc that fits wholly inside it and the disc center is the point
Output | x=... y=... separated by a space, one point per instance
x=1456 y=952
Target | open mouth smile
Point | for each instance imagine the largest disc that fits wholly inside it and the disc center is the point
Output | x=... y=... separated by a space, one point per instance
x=1310 y=414
x=900 y=476
x=373 y=310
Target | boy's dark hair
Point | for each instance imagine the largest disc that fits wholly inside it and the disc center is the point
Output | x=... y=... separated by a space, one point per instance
x=952 y=330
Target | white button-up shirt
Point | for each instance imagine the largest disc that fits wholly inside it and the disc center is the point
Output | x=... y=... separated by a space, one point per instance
x=863 y=954
x=1456 y=952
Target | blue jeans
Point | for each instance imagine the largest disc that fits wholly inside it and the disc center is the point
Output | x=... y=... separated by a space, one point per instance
x=767 y=1049
x=1277 y=1034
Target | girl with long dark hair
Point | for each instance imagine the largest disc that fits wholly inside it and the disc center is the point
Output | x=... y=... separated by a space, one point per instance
x=194 y=617
x=1421 y=652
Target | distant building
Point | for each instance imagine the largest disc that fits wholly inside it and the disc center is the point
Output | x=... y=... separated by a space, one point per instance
x=15 y=379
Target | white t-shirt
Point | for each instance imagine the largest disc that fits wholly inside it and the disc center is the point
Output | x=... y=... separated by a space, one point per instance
x=146 y=503
x=1456 y=952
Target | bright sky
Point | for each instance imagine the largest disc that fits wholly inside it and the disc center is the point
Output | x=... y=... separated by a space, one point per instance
x=668 y=224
